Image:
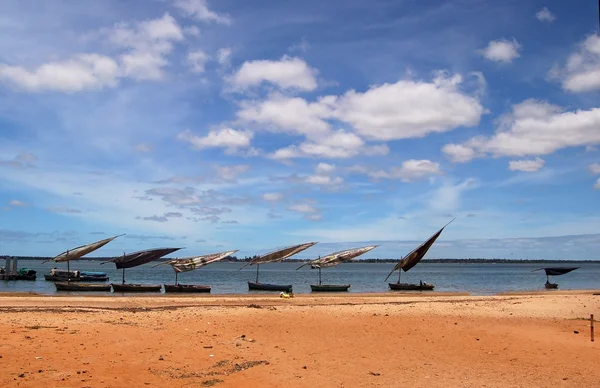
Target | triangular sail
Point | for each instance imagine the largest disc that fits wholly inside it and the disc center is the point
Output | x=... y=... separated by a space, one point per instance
x=138 y=258
x=336 y=258
x=195 y=262
x=280 y=254
x=556 y=271
x=417 y=254
x=78 y=252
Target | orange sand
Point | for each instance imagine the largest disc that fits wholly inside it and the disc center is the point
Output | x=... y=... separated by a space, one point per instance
x=353 y=340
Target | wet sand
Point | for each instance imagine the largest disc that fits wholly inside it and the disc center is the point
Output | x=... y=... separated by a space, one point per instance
x=352 y=340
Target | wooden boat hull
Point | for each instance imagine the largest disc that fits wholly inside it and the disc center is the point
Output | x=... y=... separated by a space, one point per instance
x=54 y=278
x=269 y=287
x=188 y=288
x=329 y=287
x=67 y=286
x=26 y=277
x=551 y=286
x=411 y=287
x=136 y=287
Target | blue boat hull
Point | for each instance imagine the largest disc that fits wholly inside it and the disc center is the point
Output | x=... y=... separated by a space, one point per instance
x=269 y=287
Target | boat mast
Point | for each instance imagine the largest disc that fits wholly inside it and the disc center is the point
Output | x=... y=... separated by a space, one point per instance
x=257 y=265
x=319 y=275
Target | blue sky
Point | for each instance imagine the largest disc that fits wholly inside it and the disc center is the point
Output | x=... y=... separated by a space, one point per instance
x=252 y=125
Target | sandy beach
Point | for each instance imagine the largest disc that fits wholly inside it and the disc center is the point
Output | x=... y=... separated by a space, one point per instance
x=354 y=340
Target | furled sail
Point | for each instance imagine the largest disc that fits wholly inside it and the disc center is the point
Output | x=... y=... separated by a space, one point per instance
x=280 y=254
x=138 y=258
x=78 y=252
x=195 y=262
x=556 y=271
x=336 y=258
x=417 y=254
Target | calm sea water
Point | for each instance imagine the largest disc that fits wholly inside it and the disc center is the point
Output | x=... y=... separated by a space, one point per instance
x=225 y=278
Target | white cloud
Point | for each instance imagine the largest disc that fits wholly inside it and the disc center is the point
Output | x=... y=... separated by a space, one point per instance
x=142 y=147
x=230 y=173
x=324 y=168
x=594 y=168
x=197 y=60
x=544 y=15
x=323 y=180
x=287 y=73
x=410 y=170
x=149 y=42
x=447 y=198
x=581 y=73
x=81 y=72
x=597 y=185
x=459 y=153
x=223 y=138
x=409 y=109
x=334 y=145
x=533 y=128
x=198 y=9
x=192 y=31
x=284 y=114
x=527 y=165
x=272 y=197
x=309 y=211
x=17 y=203
x=502 y=50
x=224 y=56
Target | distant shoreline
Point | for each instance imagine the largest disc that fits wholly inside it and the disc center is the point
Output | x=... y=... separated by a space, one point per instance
x=424 y=261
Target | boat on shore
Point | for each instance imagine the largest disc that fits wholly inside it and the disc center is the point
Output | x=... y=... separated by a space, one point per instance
x=257 y=286
x=189 y=264
x=329 y=287
x=410 y=260
x=422 y=286
x=273 y=257
x=133 y=260
x=26 y=274
x=332 y=260
x=135 y=287
x=69 y=286
x=187 y=288
x=56 y=275
x=554 y=271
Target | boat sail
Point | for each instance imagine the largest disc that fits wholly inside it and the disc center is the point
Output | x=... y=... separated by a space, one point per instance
x=554 y=271
x=271 y=257
x=332 y=260
x=77 y=253
x=189 y=264
x=133 y=260
x=411 y=260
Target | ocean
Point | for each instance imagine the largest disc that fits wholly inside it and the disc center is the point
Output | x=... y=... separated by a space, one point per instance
x=226 y=278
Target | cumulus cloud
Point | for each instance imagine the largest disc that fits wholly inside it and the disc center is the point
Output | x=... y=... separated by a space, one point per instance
x=286 y=73
x=272 y=197
x=532 y=128
x=307 y=210
x=148 y=42
x=527 y=165
x=544 y=15
x=597 y=185
x=224 y=56
x=228 y=138
x=402 y=110
x=81 y=72
x=142 y=147
x=198 y=9
x=502 y=50
x=409 y=171
x=197 y=60
x=335 y=145
x=594 y=168
x=581 y=73
x=322 y=176
x=231 y=173
x=409 y=109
